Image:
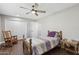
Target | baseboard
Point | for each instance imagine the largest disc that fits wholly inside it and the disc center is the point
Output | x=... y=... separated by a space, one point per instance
x=2 y=42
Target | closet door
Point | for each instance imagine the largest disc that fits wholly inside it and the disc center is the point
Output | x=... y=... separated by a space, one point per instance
x=34 y=29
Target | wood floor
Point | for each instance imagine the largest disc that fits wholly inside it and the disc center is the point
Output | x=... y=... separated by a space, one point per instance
x=58 y=51
x=17 y=49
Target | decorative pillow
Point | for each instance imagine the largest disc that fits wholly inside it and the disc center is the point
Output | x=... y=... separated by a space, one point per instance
x=52 y=33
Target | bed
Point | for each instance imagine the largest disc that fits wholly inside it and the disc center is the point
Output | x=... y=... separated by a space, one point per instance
x=38 y=46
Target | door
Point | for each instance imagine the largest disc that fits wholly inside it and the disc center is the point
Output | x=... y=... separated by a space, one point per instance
x=34 y=29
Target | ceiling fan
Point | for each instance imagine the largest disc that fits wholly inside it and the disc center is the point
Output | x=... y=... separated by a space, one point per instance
x=34 y=9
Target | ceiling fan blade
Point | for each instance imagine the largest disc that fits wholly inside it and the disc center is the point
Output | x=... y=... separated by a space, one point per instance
x=28 y=12
x=36 y=4
x=41 y=11
x=36 y=14
x=25 y=8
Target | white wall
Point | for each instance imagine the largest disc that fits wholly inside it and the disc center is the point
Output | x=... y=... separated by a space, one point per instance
x=19 y=26
x=67 y=21
x=34 y=29
x=0 y=28
x=16 y=27
x=2 y=23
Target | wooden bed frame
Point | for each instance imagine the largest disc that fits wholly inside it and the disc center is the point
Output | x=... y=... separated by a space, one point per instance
x=27 y=47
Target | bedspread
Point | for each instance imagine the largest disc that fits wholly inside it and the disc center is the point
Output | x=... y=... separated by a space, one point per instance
x=42 y=45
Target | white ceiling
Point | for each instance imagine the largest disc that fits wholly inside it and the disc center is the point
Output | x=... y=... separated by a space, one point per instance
x=13 y=9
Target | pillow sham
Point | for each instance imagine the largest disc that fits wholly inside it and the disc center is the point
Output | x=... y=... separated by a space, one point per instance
x=51 y=34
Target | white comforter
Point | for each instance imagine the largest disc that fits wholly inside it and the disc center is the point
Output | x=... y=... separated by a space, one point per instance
x=44 y=44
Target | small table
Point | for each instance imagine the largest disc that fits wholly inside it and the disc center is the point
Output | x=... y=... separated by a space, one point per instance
x=70 y=45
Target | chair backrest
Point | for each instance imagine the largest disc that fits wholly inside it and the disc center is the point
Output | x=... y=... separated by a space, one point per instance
x=7 y=34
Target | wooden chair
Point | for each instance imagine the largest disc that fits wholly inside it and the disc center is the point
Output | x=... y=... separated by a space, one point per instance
x=9 y=39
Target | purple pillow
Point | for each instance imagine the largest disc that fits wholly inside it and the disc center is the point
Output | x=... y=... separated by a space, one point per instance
x=52 y=33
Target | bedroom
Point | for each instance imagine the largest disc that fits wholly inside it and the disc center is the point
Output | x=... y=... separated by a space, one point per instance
x=63 y=17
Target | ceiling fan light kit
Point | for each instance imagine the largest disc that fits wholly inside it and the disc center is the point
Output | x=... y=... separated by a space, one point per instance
x=34 y=9
x=33 y=12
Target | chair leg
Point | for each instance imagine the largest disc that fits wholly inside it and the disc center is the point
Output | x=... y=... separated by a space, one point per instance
x=8 y=44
